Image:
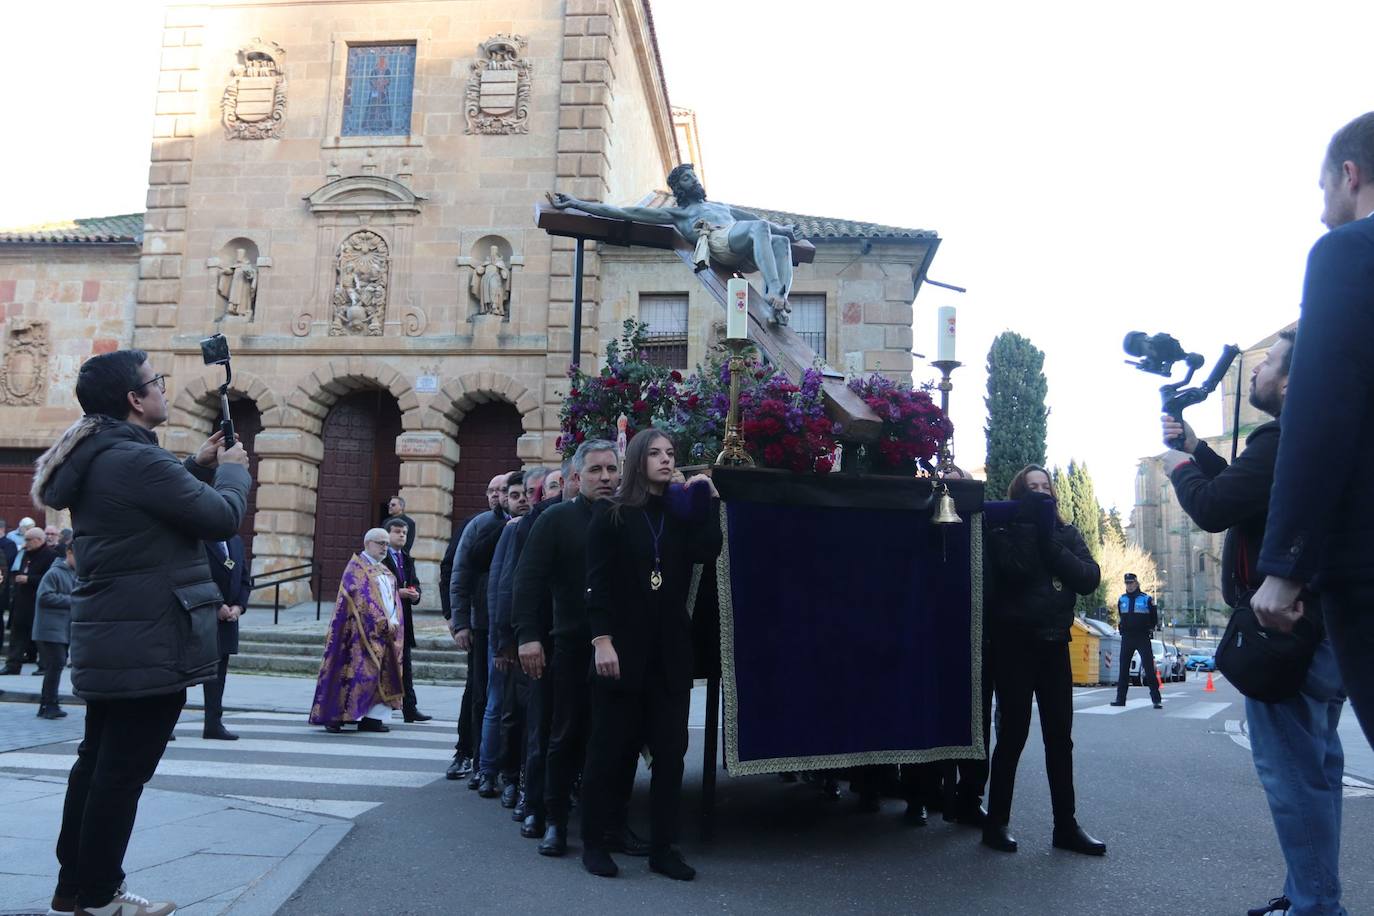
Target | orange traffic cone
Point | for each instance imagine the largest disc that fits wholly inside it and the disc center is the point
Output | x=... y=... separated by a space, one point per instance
x=1210 y=688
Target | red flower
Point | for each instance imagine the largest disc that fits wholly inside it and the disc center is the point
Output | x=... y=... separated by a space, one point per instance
x=639 y=406
x=675 y=375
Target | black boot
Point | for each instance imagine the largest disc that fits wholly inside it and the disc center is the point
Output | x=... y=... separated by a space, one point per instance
x=521 y=809
x=555 y=842
x=669 y=862
x=996 y=836
x=487 y=788
x=1075 y=839
x=533 y=827
x=510 y=794
x=969 y=813
x=599 y=862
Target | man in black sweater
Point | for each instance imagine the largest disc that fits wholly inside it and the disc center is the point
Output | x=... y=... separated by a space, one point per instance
x=554 y=562
x=1321 y=513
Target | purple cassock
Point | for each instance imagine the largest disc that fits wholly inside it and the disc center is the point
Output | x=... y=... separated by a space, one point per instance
x=362 y=653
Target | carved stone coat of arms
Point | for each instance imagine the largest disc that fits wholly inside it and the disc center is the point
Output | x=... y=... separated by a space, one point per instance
x=498 y=91
x=24 y=376
x=254 y=103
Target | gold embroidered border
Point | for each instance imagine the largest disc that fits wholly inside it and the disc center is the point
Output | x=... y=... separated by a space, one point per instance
x=730 y=694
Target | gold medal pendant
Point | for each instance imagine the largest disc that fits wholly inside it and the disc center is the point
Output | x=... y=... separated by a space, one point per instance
x=228 y=564
x=655 y=580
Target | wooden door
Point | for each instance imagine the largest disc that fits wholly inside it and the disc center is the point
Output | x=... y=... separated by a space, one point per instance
x=16 y=476
x=486 y=447
x=247 y=424
x=360 y=470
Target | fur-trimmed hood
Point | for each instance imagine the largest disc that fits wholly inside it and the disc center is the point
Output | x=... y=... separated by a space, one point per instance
x=60 y=472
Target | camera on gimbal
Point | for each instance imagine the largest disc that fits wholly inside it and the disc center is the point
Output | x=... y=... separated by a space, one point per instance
x=1157 y=353
x=215 y=351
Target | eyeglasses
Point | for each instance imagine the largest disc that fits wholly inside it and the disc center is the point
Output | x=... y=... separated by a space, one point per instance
x=159 y=380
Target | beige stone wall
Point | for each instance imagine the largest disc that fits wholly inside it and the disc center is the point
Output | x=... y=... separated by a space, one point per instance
x=86 y=294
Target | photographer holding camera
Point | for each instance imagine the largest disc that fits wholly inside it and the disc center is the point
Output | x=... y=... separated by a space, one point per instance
x=144 y=609
x=1293 y=740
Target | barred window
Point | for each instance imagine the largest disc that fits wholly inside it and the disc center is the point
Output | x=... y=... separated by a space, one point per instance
x=377 y=90
x=666 y=335
x=808 y=319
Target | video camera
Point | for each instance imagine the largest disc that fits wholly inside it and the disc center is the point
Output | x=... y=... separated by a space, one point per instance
x=215 y=351
x=1157 y=353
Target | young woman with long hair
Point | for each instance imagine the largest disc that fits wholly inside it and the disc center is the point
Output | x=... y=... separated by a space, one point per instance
x=1038 y=563
x=640 y=552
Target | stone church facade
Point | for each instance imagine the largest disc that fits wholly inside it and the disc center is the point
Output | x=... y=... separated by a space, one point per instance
x=345 y=190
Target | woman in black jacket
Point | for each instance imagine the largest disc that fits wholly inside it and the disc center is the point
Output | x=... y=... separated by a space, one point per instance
x=640 y=553
x=1038 y=563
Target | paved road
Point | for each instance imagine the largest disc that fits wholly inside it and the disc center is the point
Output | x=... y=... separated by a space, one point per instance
x=1172 y=792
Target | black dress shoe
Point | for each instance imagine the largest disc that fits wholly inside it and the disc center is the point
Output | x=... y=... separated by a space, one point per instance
x=334 y=728
x=995 y=836
x=970 y=815
x=521 y=809
x=1076 y=839
x=219 y=733
x=627 y=841
x=510 y=795
x=460 y=767
x=915 y=815
x=372 y=725
x=50 y=712
x=668 y=862
x=475 y=780
x=533 y=827
x=1277 y=904
x=599 y=862
x=9 y=671
x=415 y=715
x=555 y=842
x=487 y=788
x=171 y=737
x=1118 y=703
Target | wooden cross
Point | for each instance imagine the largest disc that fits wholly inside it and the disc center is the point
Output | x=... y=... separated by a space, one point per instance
x=782 y=345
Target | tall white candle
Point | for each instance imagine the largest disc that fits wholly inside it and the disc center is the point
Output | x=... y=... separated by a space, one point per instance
x=944 y=334
x=737 y=309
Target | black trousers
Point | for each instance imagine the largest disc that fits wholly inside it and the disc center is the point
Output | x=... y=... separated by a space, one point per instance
x=512 y=731
x=1023 y=669
x=538 y=718
x=1349 y=612
x=408 y=701
x=53 y=656
x=214 y=695
x=477 y=690
x=123 y=743
x=568 y=672
x=618 y=720
x=463 y=747
x=1130 y=644
x=21 y=637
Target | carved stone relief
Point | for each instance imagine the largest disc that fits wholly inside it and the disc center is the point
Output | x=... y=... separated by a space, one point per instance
x=236 y=279
x=489 y=285
x=360 y=285
x=24 y=376
x=498 y=91
x=254 y=103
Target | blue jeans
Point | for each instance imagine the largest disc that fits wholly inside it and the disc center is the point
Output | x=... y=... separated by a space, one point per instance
x=489 y=756
x=1300 y=763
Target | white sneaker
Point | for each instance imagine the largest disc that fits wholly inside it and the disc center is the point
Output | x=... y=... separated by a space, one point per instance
x=127 y=904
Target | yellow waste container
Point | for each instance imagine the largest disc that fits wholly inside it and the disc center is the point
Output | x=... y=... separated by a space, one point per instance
x=1083 y=654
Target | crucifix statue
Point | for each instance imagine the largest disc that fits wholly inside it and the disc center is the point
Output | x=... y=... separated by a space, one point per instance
x=733 y=238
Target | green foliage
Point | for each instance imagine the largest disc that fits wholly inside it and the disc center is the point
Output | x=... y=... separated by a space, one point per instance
x=1112 y=531
x=1017 y=416
x=1078 y=505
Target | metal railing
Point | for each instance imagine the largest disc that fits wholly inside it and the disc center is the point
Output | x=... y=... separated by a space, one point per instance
x=276 y=578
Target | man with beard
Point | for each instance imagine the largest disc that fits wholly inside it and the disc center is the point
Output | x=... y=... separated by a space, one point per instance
x=1321 y=513
x=731 y=237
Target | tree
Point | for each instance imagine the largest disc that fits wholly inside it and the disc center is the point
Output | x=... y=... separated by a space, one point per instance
x=1078 y=505
x=1017 y=416
x=1111 y=527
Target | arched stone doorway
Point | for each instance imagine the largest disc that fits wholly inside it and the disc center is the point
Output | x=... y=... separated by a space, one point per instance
x=358 y=473
x=247 y=424
x=486 y=438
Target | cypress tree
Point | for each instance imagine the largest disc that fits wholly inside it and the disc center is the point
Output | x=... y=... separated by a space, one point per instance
x=1017 y=414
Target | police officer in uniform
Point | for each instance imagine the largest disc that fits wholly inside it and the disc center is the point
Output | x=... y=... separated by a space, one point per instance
x=1139 y=618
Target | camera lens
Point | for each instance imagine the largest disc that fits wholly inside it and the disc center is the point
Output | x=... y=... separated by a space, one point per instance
x=1137 y=343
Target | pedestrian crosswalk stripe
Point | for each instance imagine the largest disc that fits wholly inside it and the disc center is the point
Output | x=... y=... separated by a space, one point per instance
x=303 y=718
x=303 y=731
x=1197 y=711
x=330 y=806
x=337 y=746
x=1109 y=710
x=238 y=771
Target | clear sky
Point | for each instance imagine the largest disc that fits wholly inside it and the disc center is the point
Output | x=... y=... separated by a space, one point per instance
x=1093 y=168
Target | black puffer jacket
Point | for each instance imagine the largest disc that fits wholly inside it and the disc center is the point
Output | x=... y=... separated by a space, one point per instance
x=1037 y=571
x=144 y=609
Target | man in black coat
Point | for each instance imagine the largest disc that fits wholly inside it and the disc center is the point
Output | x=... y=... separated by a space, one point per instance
x=402 y=566
x=396 y=509
x=227 y=568
x=33 y=563
x=1321 y=514
x=144 y=610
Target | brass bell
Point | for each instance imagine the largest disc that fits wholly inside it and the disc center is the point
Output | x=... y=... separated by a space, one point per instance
x=944 y=509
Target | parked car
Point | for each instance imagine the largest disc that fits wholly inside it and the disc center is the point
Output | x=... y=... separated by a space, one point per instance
x=1178 y=667
x=1202 y=659
x=1163 y=663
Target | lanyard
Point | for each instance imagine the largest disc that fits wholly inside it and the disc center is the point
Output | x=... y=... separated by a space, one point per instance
x=656 y=577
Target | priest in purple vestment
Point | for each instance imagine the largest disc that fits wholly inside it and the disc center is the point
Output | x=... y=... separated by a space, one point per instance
x=360 y=676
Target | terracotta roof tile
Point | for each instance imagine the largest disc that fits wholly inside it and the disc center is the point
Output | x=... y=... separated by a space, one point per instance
x=126 y=229
x=813 y=227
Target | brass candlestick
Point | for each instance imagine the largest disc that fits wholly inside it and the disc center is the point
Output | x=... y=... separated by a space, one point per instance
x=732 y=451
x=944 y=506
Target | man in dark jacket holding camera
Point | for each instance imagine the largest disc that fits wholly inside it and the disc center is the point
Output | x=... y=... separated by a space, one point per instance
x=143 y=612
x=1139 y=618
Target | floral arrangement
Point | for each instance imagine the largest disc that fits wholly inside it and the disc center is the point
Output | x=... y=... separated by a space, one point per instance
x=785 y=426
x=913 y=424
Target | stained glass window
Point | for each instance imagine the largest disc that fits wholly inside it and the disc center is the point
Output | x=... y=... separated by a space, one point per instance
x=377 y=91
